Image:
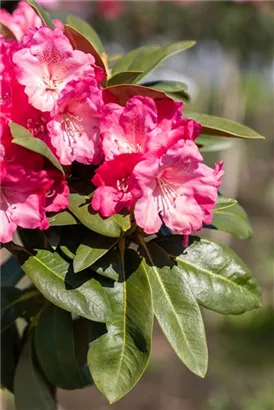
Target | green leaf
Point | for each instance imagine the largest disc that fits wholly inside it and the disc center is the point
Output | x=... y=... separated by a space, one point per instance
x=118 y=359
x=81 y=208
x=22 y=137
x=10 y=352
x=125 y=91
x=223 y=202
x=43 y=14
x=54 y=345
x=109 y=265
x=91 y=249
x=62 y=218
x=212 y=144
x=176 y=310
x=233 y=220
x=222 y=127
x=87 y=31
x=9 y=311
x=16 y=303
x=218 y=278
x=11 y=272
x=174 y=89
x=30 y=388
x=147 y=58
x=77 y=293
x=79 y=42
x=125 y=77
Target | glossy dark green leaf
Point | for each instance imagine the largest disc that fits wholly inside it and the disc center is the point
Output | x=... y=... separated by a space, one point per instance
x=91 y=249
x=218 y=278
x=82 y=336
x=147 y=58
x=17 y=303
x=62 y=218
x=109 y=265
x=30 y=387
x=77 y=293
x=125 y=91
x=174 y=89
x=222 y=127
x=212 y=144
x=54 y=346
x=10 y=352
x=125 y=77
x=233 y=220
x=81 y=208
x=43 y=14
x=22 y=137
x=118 y=359
x=11 y=272
x=177 y=310
x=87 y=31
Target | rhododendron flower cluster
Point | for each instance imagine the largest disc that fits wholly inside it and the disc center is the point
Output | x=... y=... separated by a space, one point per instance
x=145 y=152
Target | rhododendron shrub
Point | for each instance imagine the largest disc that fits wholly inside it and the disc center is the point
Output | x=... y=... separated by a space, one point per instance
x=104 y=195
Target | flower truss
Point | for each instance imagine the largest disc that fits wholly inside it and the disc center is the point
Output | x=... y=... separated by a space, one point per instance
x=104 y=183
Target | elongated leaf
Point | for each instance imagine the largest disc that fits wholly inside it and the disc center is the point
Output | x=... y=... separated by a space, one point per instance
x=43 y=14
x=125 y=77
x=90 y=250
x=109 y=265
x=223 y=127
x=118 y=359
x=22 y=137
x=223 y=202
x=11 y=272
x=9 y=312
x=174 y=89
x=124 y=91
x=10 y=352
x=212 y=144
x=233 y=220
x=218 y=278
x=30 y=388
x=176 y=310
x=77 y=293
x=87 y=31
x=79 y=42
x=62 y=218
x=81 y=208
x=147 y=58
x=54 y=345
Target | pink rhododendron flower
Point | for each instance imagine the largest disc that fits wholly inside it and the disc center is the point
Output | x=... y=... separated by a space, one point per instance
x=111 y=9
x=115 y=183
x=176 y=189
x=47 y=64
x=23 y=18
x=74 y=129
x=144 y=125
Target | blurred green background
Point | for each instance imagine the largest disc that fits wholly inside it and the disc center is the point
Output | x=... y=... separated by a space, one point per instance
x=230 y=74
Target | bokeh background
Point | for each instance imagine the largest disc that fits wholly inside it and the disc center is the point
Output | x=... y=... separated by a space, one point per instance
x=229 y=73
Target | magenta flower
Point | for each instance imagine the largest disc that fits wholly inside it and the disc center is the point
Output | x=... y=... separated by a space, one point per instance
x=176 y=189
x=144 y=125
x=47 y=64
x=23 y=18
x=74 y=129
x=115 y=184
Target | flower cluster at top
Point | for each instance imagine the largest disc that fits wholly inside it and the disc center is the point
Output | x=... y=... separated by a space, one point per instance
x=146 y=157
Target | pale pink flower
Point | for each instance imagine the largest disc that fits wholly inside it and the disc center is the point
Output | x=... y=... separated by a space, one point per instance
x=144 y=125
x=47 y=64
x=115 y=183
x=23 y=18
x=176 y=189
x=74 y=129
